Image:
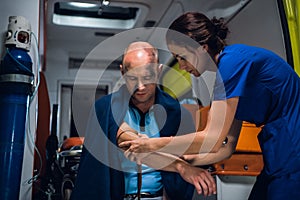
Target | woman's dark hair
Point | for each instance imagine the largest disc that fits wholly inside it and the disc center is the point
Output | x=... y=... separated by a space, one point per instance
x=201 y=29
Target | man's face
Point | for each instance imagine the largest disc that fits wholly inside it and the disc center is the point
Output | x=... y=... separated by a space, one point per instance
x=141 y=82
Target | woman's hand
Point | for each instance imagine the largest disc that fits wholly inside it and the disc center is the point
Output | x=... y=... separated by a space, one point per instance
x=135 y=157
x=202 y=180
x=139 y=145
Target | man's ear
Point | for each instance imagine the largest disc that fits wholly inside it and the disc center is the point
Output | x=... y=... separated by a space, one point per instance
x=159 y=69
x=122 y=69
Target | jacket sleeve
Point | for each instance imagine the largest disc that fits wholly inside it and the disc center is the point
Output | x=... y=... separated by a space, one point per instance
x=91 y=178
x=96 y=179
x=175 y=187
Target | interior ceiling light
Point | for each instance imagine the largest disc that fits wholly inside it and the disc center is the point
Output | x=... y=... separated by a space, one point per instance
x=105 y=2
x=82 y=5
x=88 y=15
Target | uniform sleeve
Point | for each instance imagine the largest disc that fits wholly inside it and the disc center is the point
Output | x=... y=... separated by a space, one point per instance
x=232 y=77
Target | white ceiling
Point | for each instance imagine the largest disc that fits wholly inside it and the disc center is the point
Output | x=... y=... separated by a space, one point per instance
x=78 y=41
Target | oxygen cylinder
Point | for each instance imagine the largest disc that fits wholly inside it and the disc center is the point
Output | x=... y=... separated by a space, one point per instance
x=16 y=80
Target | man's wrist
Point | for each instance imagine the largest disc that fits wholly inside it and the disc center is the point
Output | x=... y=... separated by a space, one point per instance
x=180 y=166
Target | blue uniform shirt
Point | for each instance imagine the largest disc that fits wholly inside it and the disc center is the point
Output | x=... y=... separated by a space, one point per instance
x=269 y=95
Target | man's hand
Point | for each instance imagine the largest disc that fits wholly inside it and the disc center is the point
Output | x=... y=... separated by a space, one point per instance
x=202 y=180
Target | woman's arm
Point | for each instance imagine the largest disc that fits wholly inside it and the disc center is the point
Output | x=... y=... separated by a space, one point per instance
x=224 y=152
x=219 y=122
x=159 y=160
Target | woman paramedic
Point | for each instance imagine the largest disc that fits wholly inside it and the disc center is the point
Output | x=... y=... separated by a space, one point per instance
x=252 y=84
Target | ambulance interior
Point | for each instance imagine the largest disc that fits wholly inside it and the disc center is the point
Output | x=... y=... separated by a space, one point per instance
x=65 y=35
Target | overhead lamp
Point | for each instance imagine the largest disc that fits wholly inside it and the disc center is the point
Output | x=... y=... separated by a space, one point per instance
x=98 y=16
x=105 y=2
x=102 y=3
x=82 y=5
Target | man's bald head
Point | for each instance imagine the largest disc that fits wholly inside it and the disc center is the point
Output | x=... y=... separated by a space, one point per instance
x=140 y=70
x=137 y=53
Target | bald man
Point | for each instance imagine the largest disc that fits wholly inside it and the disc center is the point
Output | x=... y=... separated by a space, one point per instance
x=147 y=110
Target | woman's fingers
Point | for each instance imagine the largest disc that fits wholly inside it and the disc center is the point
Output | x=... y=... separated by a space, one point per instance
x=135 y=157
x=132 y=156
x=125 y=144
x=143 y=135
x=139 y=145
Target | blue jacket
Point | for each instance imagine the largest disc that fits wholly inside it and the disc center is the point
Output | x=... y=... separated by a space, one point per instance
x=104 y=179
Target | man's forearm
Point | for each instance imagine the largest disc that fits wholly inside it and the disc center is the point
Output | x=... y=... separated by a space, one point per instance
x=164 y=161
x=200 y=178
